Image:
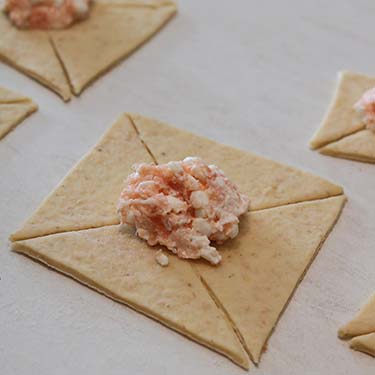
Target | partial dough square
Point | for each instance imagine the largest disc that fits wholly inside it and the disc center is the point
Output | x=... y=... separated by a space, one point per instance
x=342 y=133
x=361 y=329
x=66 y=61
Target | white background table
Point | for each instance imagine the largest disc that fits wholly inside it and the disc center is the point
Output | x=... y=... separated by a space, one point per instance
x=257 y=75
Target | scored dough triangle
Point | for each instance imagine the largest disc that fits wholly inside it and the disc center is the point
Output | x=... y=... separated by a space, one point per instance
x=363 y=322
x=266 y=182
x=123 y=267
x=264 y=264
x=87 y=196
x=358 y=146
x=112 y=32
x=13 y=113
x=341 y=118
x=31 y=52
x=364 y=344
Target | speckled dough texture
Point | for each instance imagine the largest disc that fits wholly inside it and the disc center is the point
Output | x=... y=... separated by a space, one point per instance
x=14 y=108
x=66 y=61
x=292 y=215
x=342 y=133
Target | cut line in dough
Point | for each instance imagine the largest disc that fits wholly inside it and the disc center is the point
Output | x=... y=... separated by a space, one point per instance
x=89 y=49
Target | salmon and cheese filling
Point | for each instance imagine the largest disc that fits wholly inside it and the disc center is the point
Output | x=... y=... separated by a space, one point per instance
x=46 y=14
x=366 y=107
x=183 y=205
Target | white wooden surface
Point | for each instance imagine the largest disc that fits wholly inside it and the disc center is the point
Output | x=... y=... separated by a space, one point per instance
x=257 y=75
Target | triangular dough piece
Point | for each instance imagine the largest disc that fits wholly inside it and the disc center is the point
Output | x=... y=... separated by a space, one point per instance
x=87 y=196
x=266 y=182
x=341 y=118
x=358 y=146
x=112 y=32
x=364 y=344
x=364 y=321
x=12 y=114
x=32 y=53
x=123 y=267
x=264 y=264
x=8 y=96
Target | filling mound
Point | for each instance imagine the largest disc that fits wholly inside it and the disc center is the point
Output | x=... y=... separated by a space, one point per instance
x=183 y=206
x=46 y=14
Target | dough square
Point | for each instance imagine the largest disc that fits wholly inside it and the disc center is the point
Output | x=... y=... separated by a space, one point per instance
x=76 y=231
